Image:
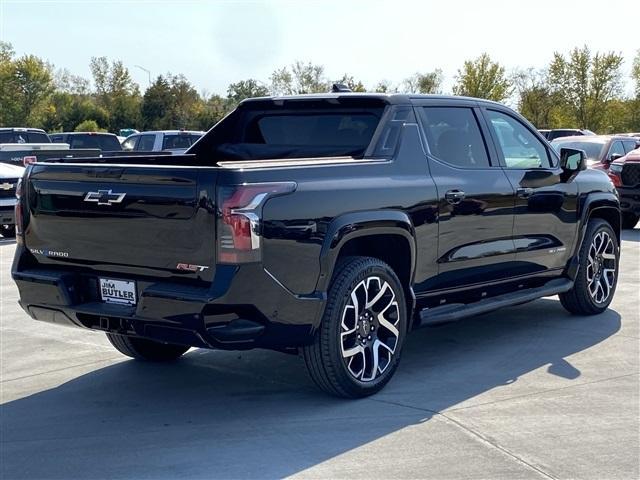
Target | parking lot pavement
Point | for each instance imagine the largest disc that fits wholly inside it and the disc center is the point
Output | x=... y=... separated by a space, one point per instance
x=526 y=392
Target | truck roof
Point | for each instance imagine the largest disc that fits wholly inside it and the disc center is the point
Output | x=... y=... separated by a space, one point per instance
x=21 y=129
x=389 y=98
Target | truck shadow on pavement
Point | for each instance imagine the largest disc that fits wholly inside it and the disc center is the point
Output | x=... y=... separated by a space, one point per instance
x=256 y=414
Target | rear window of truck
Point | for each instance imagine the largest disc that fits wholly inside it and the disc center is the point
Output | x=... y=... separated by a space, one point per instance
x=105 y=143
x=265 y=130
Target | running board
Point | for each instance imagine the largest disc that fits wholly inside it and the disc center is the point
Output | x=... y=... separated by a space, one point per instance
x=457 y=311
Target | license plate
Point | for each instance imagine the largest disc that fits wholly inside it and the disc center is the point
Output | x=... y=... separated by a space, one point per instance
x=118 y=291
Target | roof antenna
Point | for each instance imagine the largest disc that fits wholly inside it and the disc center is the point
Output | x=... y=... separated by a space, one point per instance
x=340 y=87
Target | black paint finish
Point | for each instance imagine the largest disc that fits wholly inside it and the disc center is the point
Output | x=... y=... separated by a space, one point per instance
x=510 y=228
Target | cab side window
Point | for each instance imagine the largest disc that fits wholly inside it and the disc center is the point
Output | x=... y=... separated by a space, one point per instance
x=454 y=136
x=129 y=144
x=146 y=142
x=520 y=147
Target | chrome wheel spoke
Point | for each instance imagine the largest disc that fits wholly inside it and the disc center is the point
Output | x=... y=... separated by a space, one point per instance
x=601 y=267
x=370 y=333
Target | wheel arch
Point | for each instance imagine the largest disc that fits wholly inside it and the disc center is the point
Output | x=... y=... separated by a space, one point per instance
x=603 y=205
x=386 y=235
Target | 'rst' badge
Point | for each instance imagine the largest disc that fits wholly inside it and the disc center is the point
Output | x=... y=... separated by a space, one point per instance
x=187 y=267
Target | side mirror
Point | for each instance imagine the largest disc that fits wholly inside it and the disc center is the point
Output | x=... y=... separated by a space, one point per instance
x=614 y=157
x=572 y=160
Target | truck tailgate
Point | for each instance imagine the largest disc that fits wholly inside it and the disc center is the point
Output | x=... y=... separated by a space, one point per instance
x=157 y=220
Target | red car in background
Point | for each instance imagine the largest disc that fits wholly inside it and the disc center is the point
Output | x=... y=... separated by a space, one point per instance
x=625 y=174
x=618 y=155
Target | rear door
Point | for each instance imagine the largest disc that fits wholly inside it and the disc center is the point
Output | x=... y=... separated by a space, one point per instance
x=544 y=226
x=476 y=200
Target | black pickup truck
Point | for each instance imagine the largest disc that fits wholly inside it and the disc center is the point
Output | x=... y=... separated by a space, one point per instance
x=328 y=225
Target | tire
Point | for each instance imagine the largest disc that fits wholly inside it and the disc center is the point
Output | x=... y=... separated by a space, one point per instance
x=8 y=231
x=595 y=282
x=629 y=220
x=357 y=330
x=143 y=349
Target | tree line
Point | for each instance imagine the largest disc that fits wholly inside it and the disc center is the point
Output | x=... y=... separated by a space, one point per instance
x=579 y=89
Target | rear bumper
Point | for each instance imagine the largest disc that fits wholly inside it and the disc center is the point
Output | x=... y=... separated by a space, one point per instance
x=629 y=199
x=214 y=317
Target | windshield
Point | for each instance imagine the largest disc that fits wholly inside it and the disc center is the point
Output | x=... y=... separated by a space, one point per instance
x=593 y=150
x=103 y=142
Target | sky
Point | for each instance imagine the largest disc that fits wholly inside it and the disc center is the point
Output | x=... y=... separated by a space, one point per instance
x=217 y=42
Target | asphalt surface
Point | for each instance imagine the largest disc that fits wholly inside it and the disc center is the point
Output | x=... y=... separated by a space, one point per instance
x=527 y=392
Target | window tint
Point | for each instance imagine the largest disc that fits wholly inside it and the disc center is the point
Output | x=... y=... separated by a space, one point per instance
x=629 y=145
x=91 y=140
x=129 y=144
x=349 y=130
x=454 y=136
x=38 y=138
x=616 y=148
x=6 y=137
x=520 y=147
x=182 y=140
x=145 y=144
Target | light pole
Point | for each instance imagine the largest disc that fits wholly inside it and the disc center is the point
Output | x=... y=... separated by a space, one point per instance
x=145 y=70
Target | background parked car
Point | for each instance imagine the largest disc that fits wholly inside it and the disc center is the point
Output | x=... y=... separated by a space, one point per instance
x=107 y=142
x=567 y=132
x=544 y=132
x=9 y=176
x=601 y=150
x=625 y=175
x=23 y=135
x=175 y=141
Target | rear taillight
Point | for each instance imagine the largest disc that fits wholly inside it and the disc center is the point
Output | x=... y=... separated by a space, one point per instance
x=18 y=211
x=29 y=159
x=239 y=217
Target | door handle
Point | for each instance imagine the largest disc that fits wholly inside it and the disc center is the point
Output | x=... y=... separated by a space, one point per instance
x=454 y=197
x=524 y=192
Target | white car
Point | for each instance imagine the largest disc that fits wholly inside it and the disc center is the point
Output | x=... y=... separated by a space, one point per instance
x=175 y=141
x=9 y=176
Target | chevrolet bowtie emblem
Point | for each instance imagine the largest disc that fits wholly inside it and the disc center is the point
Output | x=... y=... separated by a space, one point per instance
x=6 y=186
x=104 y=197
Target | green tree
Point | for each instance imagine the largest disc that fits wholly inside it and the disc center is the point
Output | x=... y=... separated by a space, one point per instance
x=9 y=101
x=212 y=111
x=236 y=92
x=384 y=86
x=483 y=78
x=352 y=83
x=27 y=84
x=536 y=101
x=586 y=84
x=87 y=126
x=300 y=78
x=116 y=92
x=430 y=82
x=635 y=73
x=155 y=105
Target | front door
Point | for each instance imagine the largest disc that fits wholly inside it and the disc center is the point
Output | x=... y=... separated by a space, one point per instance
x=544 y=228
